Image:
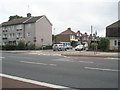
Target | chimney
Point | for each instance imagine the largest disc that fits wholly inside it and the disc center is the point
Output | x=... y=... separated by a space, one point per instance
x=69 y=28
x=28 y=14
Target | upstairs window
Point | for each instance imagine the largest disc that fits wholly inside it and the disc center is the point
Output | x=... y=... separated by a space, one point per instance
x=29 y=34
x=118 y=42
x=115 y=42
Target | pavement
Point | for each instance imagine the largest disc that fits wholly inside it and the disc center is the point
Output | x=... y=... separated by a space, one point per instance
x=69 y=53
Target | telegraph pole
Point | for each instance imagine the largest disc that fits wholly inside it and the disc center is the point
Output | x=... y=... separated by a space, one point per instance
x=91 y=29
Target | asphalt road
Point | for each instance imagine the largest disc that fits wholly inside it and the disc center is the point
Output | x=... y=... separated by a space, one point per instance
x=70 y=72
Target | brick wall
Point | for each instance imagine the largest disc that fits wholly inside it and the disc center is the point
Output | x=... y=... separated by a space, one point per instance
x=62 y=38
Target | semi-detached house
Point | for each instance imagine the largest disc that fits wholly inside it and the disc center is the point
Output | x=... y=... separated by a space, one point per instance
x=33 y=30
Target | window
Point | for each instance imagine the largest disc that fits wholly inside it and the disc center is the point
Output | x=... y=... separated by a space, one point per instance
x=118 y=42
x=19 y=35
x=13 y=35
x=12 y=28
x=115 y=42
x=19 y=27
x=28 y=25
x=10 y=35
x=4 y=35
x=29 y=34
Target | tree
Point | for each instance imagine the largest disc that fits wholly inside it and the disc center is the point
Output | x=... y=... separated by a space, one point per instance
x=104 y=44
x=53 y=38
x=21 y=45
x=14 y=17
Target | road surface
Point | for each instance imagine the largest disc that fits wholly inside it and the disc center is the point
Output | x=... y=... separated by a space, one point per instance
x=73 y=72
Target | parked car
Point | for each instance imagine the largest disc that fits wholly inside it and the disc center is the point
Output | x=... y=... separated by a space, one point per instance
x=69 y=47
x=59 y=47
x=79 y=47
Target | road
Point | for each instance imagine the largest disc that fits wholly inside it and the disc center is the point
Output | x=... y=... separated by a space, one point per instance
x=71 y=72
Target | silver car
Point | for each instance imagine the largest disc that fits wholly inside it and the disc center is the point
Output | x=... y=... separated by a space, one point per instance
x=59 y=47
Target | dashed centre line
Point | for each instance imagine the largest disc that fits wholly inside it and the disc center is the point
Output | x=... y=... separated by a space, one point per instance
x=101 y=69
x=38 y=63
x=20 y=57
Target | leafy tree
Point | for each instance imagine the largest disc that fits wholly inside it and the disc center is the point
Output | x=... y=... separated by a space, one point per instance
x=94 y=45
x=53 y=38
x=21 y=45
x=14 y=17
x=104 y=44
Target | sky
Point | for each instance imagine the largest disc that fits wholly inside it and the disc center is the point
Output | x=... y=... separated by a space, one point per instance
x=63 y=14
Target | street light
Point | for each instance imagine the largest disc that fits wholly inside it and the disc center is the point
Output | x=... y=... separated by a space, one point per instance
x=42 y=42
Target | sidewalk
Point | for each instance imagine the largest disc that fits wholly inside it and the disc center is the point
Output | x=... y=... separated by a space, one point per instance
x=68 y=53
x=9 y=81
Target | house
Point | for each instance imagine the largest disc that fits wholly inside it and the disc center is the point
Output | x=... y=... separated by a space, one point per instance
x=33 y=30
x=0 y=35
x=73 y=38
x=67 y=37
x=113 y=33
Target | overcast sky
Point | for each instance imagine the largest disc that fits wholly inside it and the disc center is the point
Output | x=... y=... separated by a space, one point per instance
x=76 y=14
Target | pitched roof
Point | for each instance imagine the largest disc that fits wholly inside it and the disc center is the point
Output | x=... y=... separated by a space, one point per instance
x=114 y=25
x=33 y=19
x=22 y=21
x=15 y=21
x=68 y=31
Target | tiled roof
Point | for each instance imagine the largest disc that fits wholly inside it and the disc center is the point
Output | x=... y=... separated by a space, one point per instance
x=22 y=20
x=15 y=21
x=114 y=25
x=33 y=19
x=68 y=31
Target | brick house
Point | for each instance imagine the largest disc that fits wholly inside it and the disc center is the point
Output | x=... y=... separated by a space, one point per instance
x=113 y=33
x=33 y=30
x=67 y=36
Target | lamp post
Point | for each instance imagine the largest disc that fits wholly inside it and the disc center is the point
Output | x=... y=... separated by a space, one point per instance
x=34 y=41
x=42 y=42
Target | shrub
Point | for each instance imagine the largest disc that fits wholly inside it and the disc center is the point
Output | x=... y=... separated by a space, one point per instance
x=8 y=47
x=104 y=44
x=93 y=45
x=21 y=45
x=30 y=47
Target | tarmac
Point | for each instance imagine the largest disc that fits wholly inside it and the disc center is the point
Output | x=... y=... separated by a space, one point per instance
x=68 y=53
x=11 y=83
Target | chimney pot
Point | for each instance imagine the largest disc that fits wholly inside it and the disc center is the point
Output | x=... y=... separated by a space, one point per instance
x=28 y=14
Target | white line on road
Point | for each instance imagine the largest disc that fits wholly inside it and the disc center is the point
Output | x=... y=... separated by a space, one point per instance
x=101 y=69
x=38 y=63
x=112 y=58
x=20 y=57
x=85 y=62
x=34 y=82
x=2 y=57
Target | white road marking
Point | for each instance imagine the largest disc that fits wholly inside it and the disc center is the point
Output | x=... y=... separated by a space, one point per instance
x=52 y=64
x=101 y=69
x=34 y=82
x=85 y=62
x=38 y=63
x=66 y=60
x=50 y=54
x=20 y=57
x=112 y=58
x=2 y=57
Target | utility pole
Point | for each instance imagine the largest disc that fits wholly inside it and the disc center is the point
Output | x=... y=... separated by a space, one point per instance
x=91 y=29
x=54 y=36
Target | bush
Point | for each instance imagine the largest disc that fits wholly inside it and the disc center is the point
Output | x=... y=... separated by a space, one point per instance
x=30 y=47
x=8 y=47
x=104 y=44
x=94 y=45
x=21 y=45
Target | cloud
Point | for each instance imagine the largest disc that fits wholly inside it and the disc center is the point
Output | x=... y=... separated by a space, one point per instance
x=77 y=14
